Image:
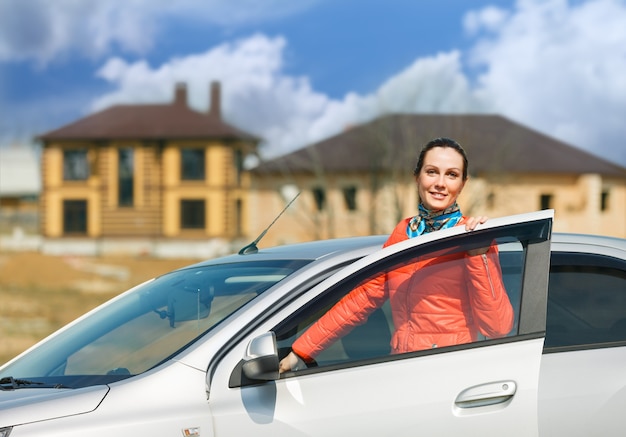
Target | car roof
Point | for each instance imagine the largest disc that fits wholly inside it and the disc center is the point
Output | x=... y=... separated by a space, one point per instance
x=315 y=250
x=311 y=251
x=566 y=239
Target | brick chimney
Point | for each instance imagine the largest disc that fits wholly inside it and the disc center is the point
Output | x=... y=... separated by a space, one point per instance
x=215 y=109
x=180 y=94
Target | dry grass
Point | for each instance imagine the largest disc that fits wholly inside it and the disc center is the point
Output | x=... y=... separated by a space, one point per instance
x=40 y=293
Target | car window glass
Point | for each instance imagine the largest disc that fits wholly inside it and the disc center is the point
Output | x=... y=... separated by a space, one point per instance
x=148 y=325
x=586 y=305
x=439 y=277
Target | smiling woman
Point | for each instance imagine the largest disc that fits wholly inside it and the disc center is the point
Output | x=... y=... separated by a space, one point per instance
x=440 y=174
x=453 y=304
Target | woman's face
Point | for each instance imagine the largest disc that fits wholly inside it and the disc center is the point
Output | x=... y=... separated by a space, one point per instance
x=440 y=180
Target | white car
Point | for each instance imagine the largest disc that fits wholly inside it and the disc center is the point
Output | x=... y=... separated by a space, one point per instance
x=195 y=352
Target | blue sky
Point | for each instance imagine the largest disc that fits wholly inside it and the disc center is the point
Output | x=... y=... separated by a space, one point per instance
x=295 y=72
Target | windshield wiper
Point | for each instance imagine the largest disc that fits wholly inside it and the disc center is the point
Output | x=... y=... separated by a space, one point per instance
x=10 y=383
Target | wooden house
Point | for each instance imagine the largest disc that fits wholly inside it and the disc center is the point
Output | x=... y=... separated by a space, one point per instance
x=360 y=181
x=153 y=172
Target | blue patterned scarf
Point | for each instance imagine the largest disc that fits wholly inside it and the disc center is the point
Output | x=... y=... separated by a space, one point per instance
x=427 y=221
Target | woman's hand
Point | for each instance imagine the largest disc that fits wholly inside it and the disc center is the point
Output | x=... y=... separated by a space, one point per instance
x=291 y=362
x=472 y=222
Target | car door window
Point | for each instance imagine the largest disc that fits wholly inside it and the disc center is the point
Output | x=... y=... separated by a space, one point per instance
x=435 y=280
x=586 y=302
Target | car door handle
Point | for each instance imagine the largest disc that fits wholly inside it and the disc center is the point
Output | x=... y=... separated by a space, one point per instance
x=486 y=394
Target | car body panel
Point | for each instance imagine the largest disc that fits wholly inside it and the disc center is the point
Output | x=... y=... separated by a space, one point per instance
x=582 y=389
x=40 y=404
x=583 y=393
x=163 y=402
x=394 y=398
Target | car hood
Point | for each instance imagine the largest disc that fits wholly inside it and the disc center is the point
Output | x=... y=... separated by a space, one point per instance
x=28 y=405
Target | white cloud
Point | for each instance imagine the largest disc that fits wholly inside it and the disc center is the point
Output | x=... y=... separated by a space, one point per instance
x=434 y=84
x=45 y=30
x=256 y=95
x=560 y=69
x=489 y=18
x=284 y=110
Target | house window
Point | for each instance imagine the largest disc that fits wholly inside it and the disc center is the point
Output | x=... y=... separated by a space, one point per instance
x=192 y=164
x=192 y=214
x=349 y=197
x=75 y=217
x=125 y=177
x=238 y=212
x=75 y=165
x=238 y=165
x=319 y=195
x=545 y=201
x=604 y=200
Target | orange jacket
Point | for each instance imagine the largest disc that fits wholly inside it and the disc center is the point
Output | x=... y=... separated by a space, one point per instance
x=434 y=302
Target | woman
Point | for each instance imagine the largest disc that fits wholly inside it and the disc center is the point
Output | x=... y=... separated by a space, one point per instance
x=459 y=295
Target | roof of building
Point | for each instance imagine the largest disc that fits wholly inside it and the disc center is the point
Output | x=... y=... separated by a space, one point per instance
x=493 y=144
x=151 y=122
x=19 y=171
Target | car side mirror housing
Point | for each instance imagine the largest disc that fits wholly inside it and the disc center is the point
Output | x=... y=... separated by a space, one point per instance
x=260 y=361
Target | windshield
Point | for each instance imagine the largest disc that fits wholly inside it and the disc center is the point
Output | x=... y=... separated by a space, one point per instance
x=147 y=325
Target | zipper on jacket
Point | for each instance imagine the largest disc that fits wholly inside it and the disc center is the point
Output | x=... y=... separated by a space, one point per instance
x=493 y=292
x=407 y=301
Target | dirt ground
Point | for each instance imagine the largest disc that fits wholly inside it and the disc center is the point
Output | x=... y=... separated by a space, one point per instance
x=40 y=293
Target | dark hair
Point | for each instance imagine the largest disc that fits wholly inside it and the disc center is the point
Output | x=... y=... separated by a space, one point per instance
x=441 y=142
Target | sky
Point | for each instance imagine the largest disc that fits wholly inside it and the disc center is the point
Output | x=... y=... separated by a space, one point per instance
x=296 y=72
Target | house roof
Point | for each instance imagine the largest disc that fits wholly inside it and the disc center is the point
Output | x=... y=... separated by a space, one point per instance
x=19 y=171
x=493 y=144
x=151 y=122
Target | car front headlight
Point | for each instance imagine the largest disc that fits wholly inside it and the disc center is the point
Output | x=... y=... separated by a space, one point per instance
x=4 y=432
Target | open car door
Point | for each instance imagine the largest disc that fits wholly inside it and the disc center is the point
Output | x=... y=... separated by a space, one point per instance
x=357 y=387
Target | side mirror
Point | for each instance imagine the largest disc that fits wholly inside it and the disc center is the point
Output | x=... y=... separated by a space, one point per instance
x=260 y=361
